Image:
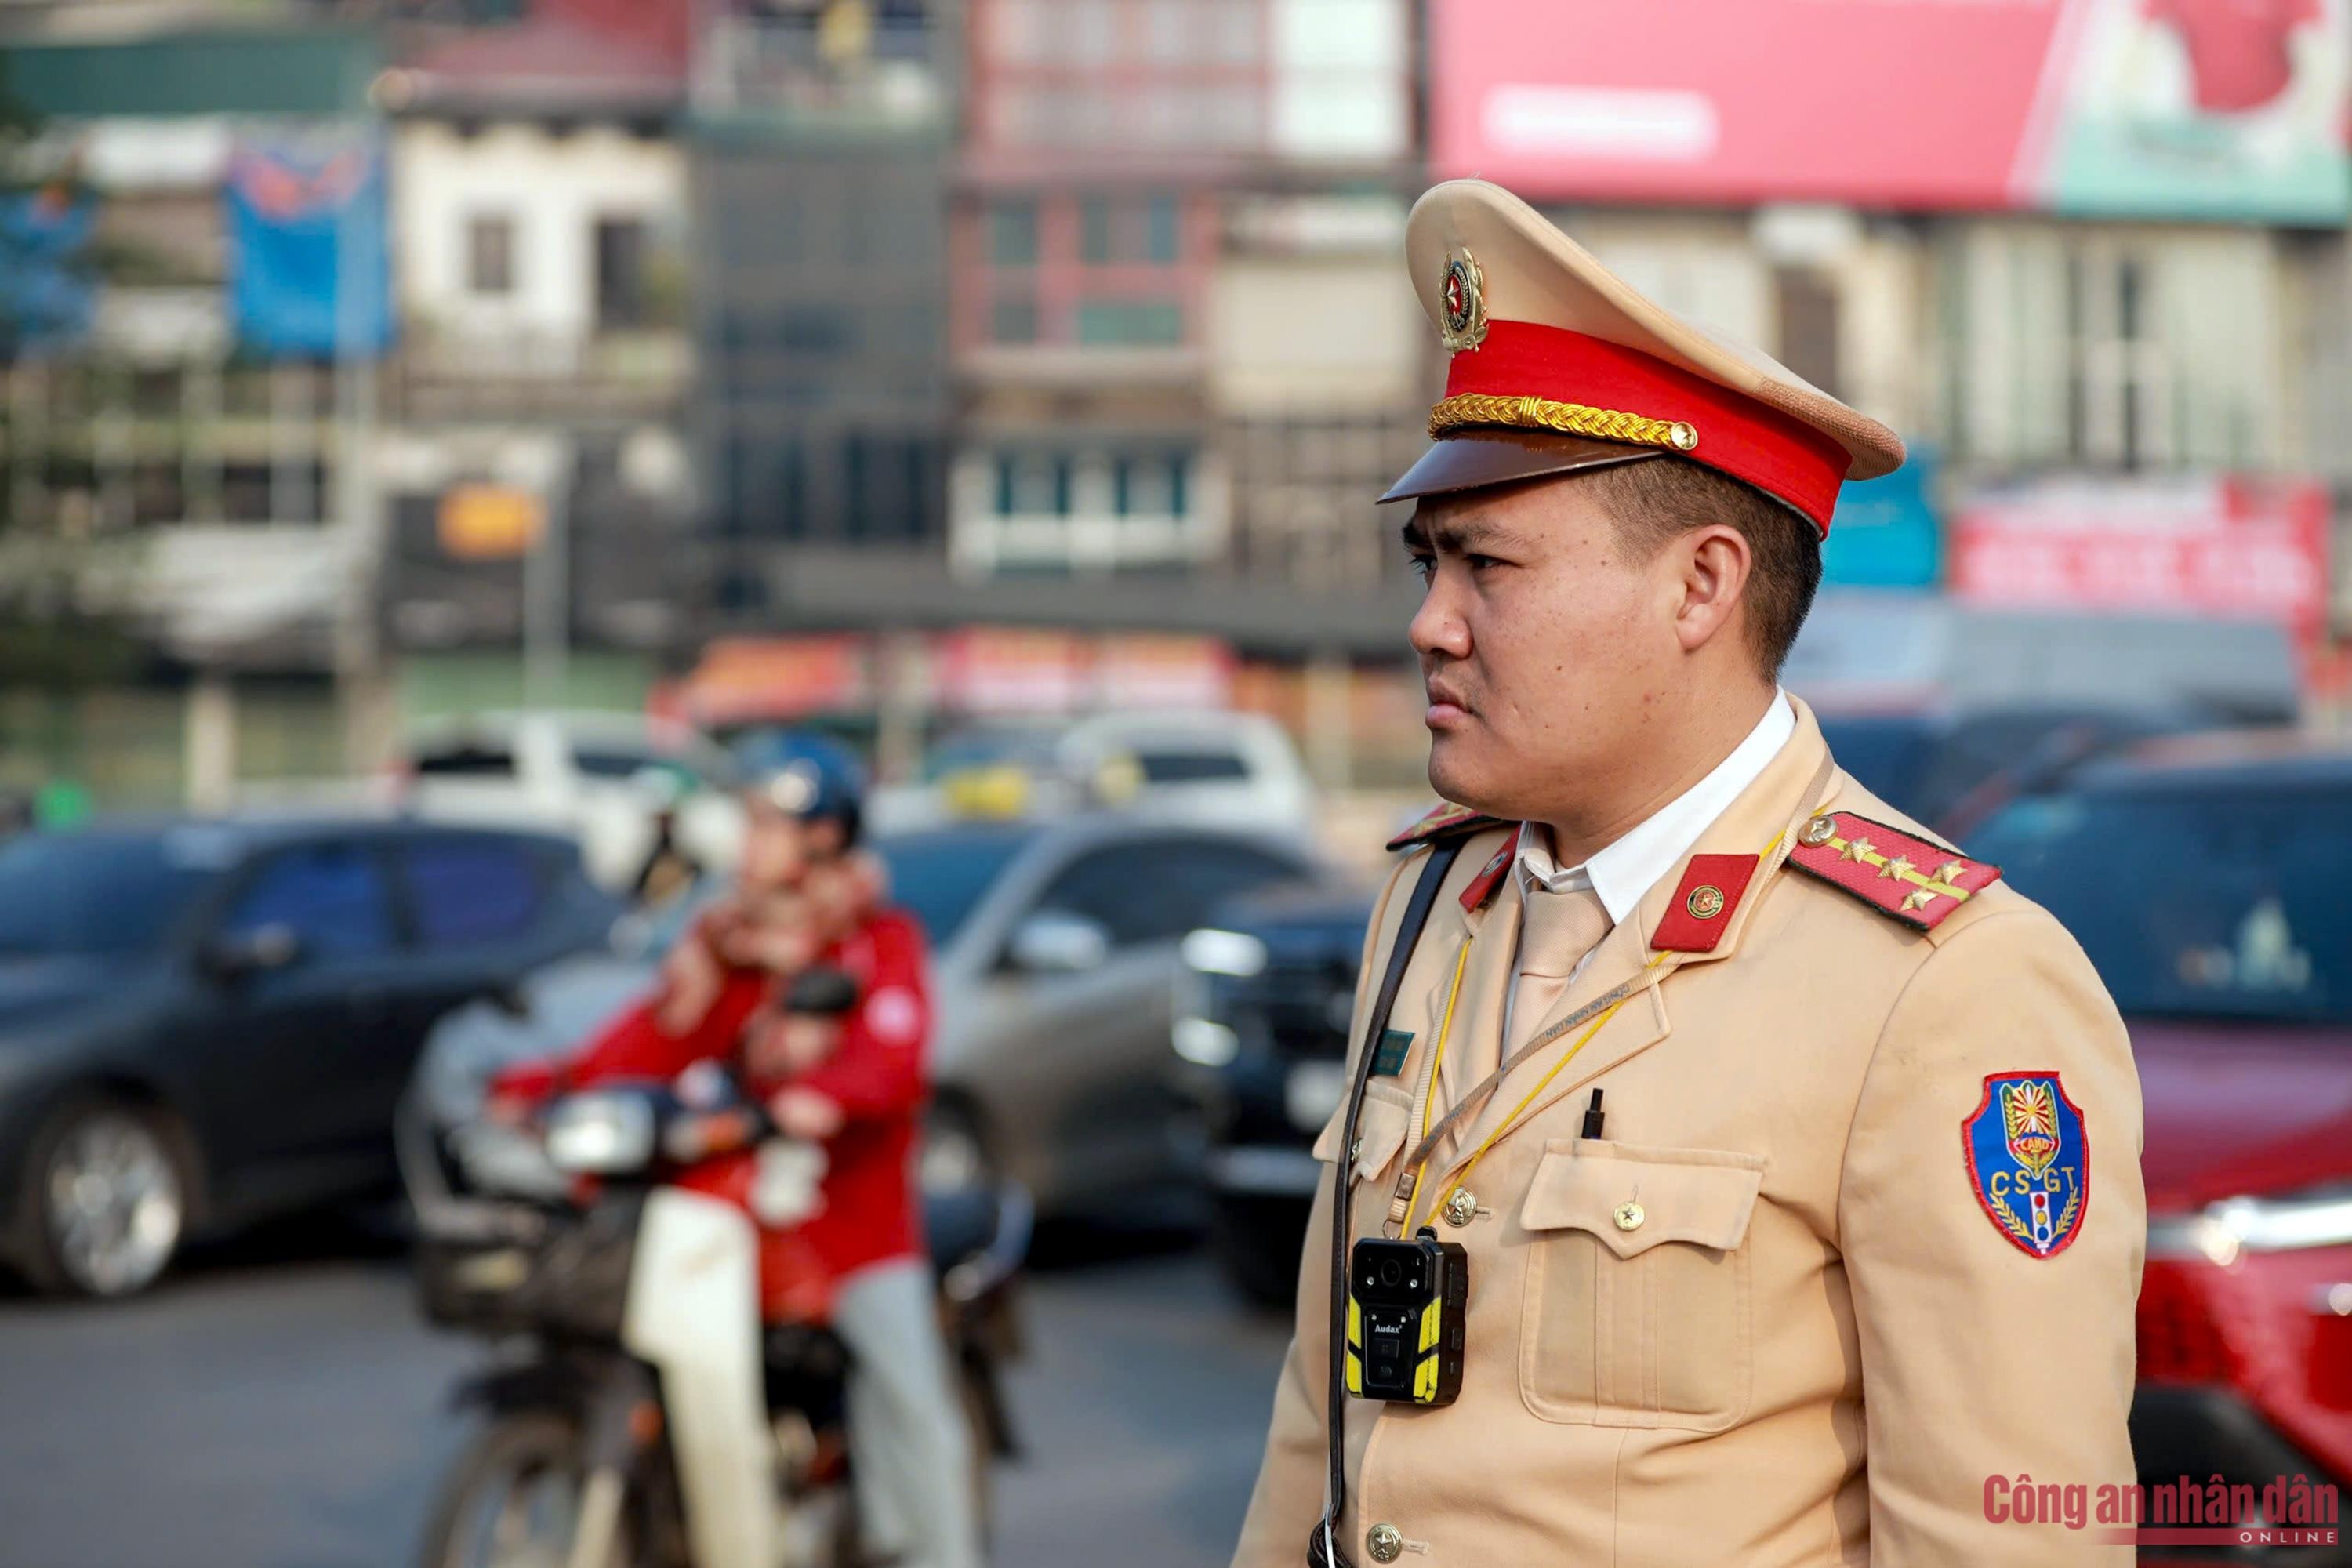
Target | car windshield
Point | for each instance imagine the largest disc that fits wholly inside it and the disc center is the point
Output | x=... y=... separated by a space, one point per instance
x=100 y=892
x=1884 y=752
x=941 y=875
x=2214 y=904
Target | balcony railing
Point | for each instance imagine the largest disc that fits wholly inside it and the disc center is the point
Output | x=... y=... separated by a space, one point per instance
x=890 y=73
x=640 y=370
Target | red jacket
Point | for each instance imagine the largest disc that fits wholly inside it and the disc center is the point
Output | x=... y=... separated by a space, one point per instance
x=878 y=1076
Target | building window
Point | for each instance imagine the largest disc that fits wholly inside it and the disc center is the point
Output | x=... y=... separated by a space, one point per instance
x=623 y=298
x=2117 y=371
x=1808 y=302
x=1130 y=323
x=1096 y=222
x=1033 y=484
x=1163 y=239
x=1013 y=233
x=1012 y=321
x=1148 y=487
x=490 y=254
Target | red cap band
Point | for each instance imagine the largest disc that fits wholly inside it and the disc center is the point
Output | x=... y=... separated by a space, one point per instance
x=1778 y=453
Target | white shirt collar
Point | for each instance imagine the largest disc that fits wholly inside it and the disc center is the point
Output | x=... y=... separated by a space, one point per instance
x=1630 y=866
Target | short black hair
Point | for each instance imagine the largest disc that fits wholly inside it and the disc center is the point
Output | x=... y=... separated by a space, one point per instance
x=1657 y=499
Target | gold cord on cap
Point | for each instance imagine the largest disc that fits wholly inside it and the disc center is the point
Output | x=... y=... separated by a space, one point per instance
x=1473 y=410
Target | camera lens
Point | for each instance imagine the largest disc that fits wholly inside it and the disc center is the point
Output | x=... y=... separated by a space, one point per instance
x=1390 y=1273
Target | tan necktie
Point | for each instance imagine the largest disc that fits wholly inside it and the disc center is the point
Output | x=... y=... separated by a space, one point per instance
x=1556 y=930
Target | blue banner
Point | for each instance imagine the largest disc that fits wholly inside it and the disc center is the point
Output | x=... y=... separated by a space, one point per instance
x=305 y=225
x=1885 y=533
x=45 y=290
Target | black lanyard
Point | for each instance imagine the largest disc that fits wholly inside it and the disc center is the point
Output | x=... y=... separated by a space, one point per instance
x=1416 y=915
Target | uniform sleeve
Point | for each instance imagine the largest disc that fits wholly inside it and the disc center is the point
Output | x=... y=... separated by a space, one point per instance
x=878 y=1072
x=1992 y=1351
x=1288 y=1498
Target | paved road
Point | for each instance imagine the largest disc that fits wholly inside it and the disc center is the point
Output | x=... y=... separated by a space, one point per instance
x=279 y=1405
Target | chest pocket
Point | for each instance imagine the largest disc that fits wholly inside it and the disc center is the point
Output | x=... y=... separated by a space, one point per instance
x=1637 y=1310
x=1381 y=1128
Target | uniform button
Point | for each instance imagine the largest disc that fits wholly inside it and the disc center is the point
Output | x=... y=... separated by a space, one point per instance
x=1462 y=1207
x=1629 y=1216
x=1385 y=1543
x=1818 y=832
x=1356 y=1150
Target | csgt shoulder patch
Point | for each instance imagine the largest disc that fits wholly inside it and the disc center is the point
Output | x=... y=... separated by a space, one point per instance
x=1447 y=821
x=1916 y=879
x=2029 y=1160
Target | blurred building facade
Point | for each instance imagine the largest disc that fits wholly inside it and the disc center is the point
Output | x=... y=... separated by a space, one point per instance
x=858 y=328
x=823 y=135
x=537 y=470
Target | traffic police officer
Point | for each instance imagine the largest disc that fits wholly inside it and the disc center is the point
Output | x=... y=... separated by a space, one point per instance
x=1767 y=1120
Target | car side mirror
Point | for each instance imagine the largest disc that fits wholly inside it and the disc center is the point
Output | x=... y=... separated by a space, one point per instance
x=1055 y=942
x=266 y=950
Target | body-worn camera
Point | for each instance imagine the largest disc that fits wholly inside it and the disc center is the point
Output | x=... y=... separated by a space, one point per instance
x=1406 y=1303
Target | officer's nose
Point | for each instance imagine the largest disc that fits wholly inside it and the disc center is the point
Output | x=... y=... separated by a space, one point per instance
x=1438 y=629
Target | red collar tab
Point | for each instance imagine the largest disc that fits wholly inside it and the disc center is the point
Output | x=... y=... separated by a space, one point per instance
x=1444 y=822
x=1712 y=887
x=1916 y=879
x=1490 y=876
x=1737 y=435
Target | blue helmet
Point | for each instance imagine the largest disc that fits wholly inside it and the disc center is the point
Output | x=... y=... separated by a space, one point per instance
x=808 y=776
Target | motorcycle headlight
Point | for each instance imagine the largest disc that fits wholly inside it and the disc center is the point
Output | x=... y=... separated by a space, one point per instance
x=600 y=1135
x=2321 y=1217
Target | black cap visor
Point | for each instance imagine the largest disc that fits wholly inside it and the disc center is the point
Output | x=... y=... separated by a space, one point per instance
x=1474 y=459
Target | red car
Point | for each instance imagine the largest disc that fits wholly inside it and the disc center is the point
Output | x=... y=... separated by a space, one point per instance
x=2210 y=881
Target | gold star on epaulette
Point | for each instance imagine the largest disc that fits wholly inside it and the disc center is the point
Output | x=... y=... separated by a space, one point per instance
x=1856 y=849
x=1897 y=868
x=1948 y=870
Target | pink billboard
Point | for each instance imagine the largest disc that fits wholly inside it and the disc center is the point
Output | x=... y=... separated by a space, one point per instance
x=2162 y=108
x=2238 y=547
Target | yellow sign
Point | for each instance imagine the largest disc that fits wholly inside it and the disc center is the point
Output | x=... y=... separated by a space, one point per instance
x=490 y=522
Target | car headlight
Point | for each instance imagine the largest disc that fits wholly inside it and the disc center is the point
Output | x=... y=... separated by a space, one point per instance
x=1206 y=1042
x=599 y=1134
x=1214 y=952
x=2222 y=1231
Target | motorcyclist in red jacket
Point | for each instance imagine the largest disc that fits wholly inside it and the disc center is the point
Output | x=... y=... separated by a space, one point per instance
x=807 y=899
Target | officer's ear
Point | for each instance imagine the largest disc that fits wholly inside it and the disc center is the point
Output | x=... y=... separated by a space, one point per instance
x=1714 y=562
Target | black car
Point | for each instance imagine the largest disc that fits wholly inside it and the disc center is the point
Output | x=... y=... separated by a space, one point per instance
x=203 y=1023
x=1953 y=770
x=1261 y=1044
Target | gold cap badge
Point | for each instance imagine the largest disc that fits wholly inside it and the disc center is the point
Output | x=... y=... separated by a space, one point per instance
x=1463 y=293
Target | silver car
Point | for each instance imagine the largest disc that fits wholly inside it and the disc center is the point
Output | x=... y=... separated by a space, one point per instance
x=1053 y=965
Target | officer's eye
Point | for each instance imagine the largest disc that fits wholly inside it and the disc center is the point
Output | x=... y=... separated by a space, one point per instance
x=1424 y=566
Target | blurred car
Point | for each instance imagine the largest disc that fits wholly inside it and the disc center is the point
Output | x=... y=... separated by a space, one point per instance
x=607 y=779
x=1203 y=767
x=205 y=1023
x=1261 y=1038
x=2205 y=878
x=1053 y=958
x=1952 y=768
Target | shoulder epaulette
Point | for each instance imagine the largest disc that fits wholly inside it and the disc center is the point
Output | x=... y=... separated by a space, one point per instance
x=1446 y=822
x=1916 y=879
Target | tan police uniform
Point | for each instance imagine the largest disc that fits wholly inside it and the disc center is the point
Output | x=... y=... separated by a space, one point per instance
x=1862 y=1225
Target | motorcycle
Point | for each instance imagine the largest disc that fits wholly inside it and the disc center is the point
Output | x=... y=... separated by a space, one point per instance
x=596 y=1309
